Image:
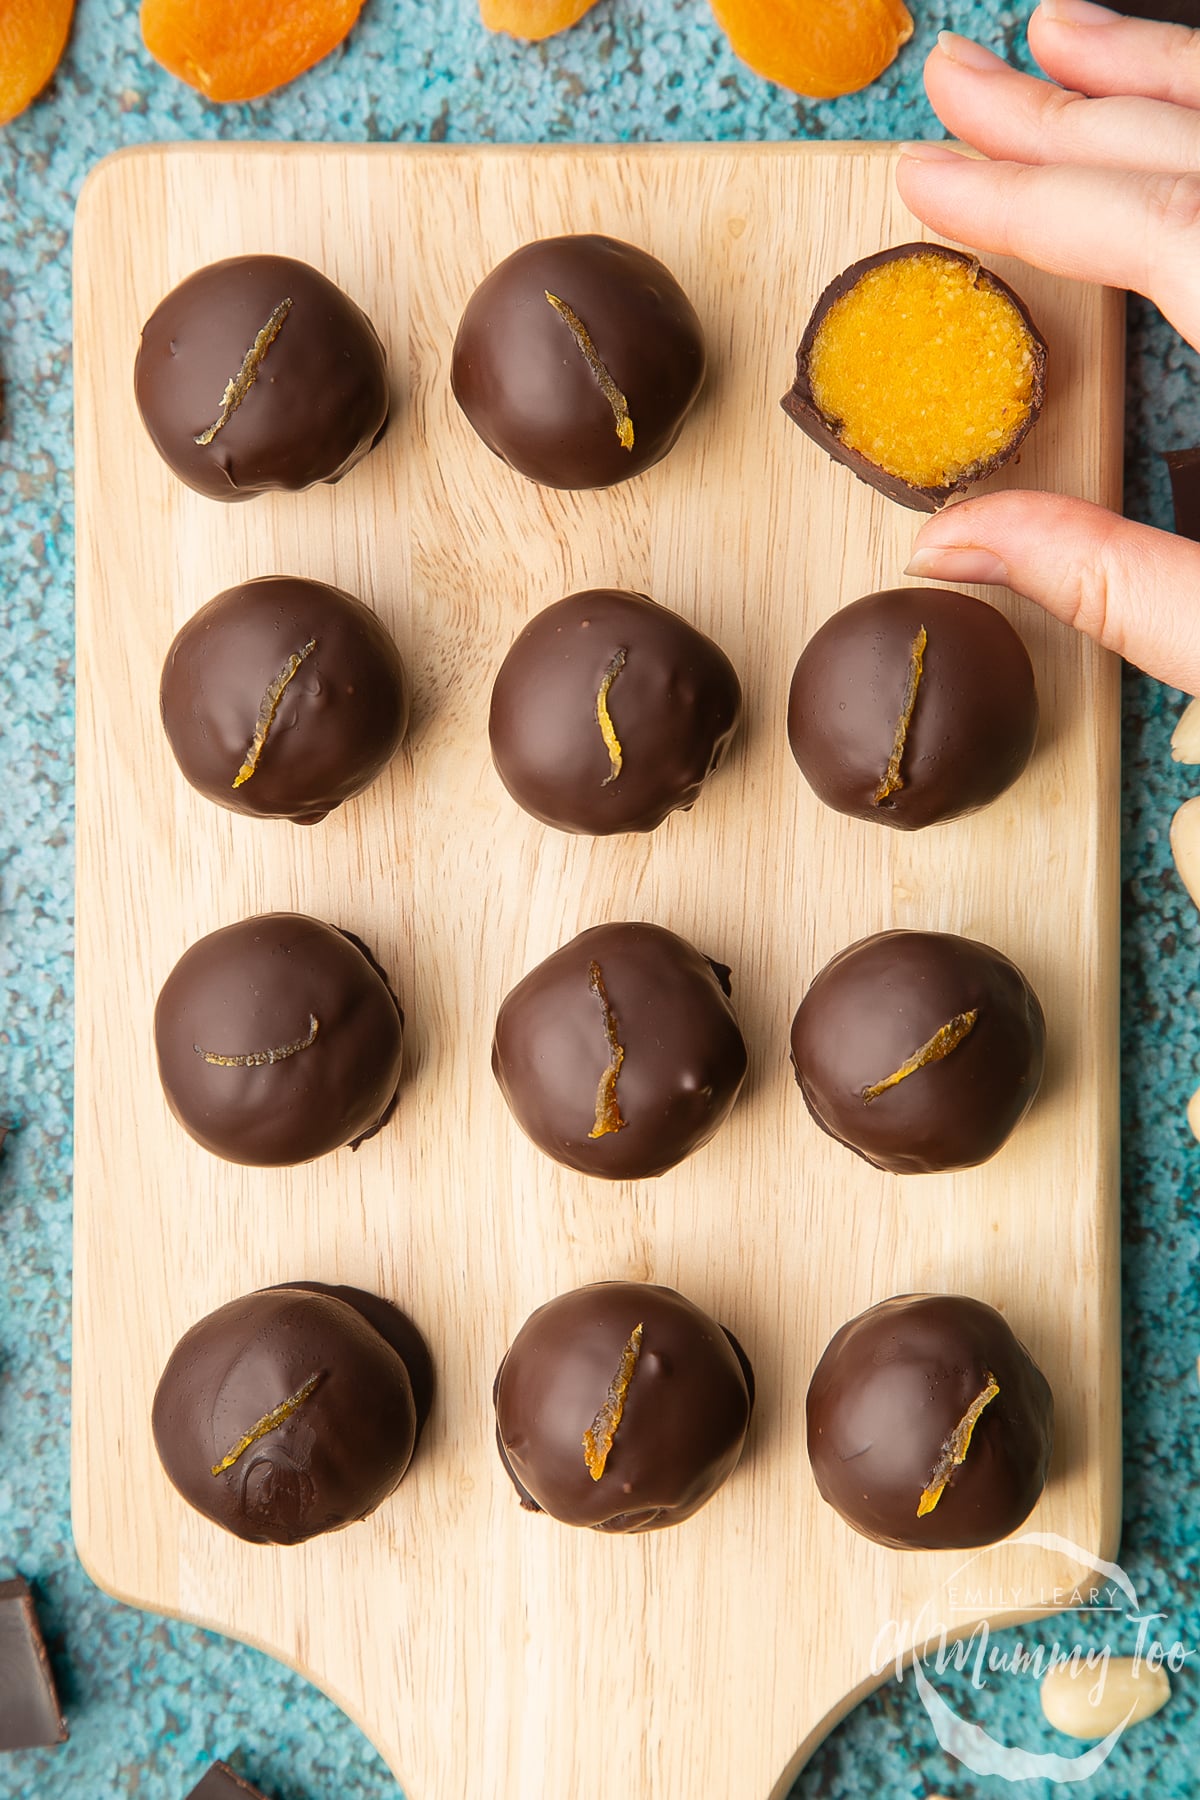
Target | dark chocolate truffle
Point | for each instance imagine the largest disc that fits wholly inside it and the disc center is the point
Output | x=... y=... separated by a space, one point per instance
x=290 y=1412
x=620 y=1054
x=621 y=1406
x=577 y=361
x=282 y=698
x=609 y=712
x=913 y=706
x=278 y=1040
x=929 y=1425
x=258 y=373
x=920 y=371
x=919 y=1050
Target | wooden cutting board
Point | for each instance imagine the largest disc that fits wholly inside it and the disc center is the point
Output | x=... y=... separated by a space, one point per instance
x=483 y=1650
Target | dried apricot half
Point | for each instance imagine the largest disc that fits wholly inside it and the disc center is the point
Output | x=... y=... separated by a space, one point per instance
x=33 y=35
x=820 y=48
x=532 y=19
x=241 y=49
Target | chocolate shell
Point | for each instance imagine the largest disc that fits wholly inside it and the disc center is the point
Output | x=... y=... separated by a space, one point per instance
x=258 y=373
x=282 y=698
x=278 y=1040
x=911 y=707
x=577 y=361
x=919 y=1050
x=609 y=712
x=802 y=407
x=291 y=1411
x=620 y=1054
x=622 y=1407
x=930 y=1426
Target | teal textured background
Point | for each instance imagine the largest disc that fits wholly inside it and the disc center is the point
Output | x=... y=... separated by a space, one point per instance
x=149 y=1702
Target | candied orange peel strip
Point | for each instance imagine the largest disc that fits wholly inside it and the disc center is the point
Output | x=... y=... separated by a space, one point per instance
x=622 y=422
x=954 y=1450
x=33 y=36
x=261 y=1059
x=241 y=49
x=819 y=48
x=271 y=1421
x=268 y=707
x=598 y=1438
x=532 y=19
x=608 y=731
x=892 y=779
x=945 y=1039
x=608 y=1107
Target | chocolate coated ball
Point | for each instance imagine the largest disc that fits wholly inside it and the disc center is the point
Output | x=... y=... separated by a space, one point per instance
x=609 y=712
x=577 y=360
x=621 y=1406
x=930 y=1426
x=282 y=698
x=258 y=373
x=278 y=1040
x=919 y=1050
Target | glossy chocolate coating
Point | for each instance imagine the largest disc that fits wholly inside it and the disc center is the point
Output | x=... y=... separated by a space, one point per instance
x=887 y=1394
x=320 y=400
x=879 y=1002
x=800 y=403
x=527 y=388
x=684 y=1058
x=255 y=987
x=686 y=1409
x=339 y=720
x=674 y=703
x=343 y=1448
x=974 y=721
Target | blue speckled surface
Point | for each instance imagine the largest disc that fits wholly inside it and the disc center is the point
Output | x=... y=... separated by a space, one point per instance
x=150 y=1702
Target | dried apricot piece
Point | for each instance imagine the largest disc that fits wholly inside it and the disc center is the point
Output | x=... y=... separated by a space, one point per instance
x=820 y=48
x=241 y=49
x=33 y=35
x=532 y=19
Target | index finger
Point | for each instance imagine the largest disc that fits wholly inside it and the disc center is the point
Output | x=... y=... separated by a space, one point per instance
x=1120 y=228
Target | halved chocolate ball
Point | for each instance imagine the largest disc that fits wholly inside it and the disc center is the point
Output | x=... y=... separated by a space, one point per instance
x=620 y=1054
x=930 y=1426
x=282 y=698
x=919 y=370
x=292 y=1411
x=259 y=373
x=609 y=712
x=621 y=1406
x=919 y=1050
x=912 y=706
x=278 y=1040
x=577 y=360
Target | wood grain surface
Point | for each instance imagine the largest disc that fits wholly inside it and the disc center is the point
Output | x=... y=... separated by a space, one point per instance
x=487 y=1652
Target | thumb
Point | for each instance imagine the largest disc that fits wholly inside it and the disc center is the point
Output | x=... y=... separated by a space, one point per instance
x=1135 y=590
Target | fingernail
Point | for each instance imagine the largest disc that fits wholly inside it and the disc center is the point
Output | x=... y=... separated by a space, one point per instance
x=959 y=562
x=921 y=151
x=968 y=54
x=1077 y=12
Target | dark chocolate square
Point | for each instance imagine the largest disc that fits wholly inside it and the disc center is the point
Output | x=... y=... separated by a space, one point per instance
x=220 y=1783
x=1184 y=466
x=30 y=1715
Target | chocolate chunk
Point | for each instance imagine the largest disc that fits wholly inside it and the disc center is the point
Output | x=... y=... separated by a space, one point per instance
x=258 y=373
x=620 y=1054
x=288 y=1412
x=930 y=1426
x=577 y=361
x=220 y=1783
x=870 y=748
x=919 y=1050
x=621 y=1406
x=609 y=712
x=283 y=698
x=30 y=1715
x=1184 y=469
x=926 y=393
x=278 y=1040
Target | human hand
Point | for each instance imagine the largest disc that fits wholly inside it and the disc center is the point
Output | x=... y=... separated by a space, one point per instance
x=1096 y=179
